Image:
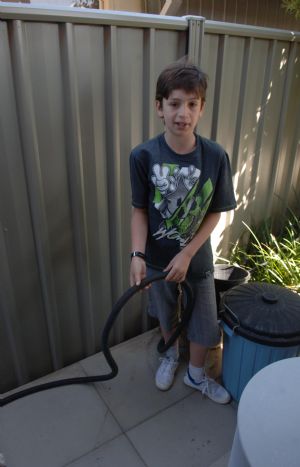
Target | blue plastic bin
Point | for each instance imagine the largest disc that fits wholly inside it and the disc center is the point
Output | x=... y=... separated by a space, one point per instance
x=243 y=358
x=261 y=324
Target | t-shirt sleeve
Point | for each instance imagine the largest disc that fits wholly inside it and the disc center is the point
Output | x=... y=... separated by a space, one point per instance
x=139 y=179
x=223 y=198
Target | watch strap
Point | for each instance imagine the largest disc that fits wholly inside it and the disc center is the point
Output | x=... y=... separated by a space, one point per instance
x=139 y=254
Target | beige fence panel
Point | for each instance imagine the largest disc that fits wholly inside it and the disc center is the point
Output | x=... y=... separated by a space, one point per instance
x=253 y=110
x=76 y=94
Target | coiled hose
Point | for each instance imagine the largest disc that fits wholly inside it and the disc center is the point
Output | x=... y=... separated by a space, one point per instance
x=188 y=306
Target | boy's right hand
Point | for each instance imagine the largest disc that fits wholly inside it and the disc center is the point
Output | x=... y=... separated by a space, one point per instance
x=137 y=270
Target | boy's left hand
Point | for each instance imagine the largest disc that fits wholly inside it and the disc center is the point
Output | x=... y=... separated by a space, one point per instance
x=178 y=267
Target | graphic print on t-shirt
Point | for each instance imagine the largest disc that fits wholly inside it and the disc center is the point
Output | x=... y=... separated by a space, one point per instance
x=180 y=201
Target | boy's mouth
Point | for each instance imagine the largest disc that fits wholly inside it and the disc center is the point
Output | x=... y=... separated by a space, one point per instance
x=182 y=125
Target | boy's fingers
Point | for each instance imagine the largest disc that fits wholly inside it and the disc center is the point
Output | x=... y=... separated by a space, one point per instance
x=170 y=276
x=168 y=268
x=175 y=276
x=138 y=282
x=138 y=279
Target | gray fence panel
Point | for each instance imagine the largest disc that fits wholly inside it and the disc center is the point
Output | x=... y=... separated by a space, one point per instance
x=22 y=308
x=287 y=174
x=256 y=12
x=77 y=93
x=253 y=110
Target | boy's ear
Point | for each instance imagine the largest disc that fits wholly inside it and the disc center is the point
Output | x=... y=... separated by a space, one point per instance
x=159 y=109
x=202 y=105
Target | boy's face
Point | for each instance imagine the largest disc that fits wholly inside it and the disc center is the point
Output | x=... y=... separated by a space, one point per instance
x=181 y=112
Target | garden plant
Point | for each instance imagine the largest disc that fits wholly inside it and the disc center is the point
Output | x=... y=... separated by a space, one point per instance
x=272 y=258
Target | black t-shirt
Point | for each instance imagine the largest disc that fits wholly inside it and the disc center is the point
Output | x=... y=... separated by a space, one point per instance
x=178 y=190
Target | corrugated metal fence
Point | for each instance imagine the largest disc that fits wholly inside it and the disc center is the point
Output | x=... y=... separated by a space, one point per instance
x=76 y=93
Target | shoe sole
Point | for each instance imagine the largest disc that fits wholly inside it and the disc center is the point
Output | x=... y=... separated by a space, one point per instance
x=163 y=388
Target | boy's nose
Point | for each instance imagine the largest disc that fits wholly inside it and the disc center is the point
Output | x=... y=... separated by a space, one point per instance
x=183 y=110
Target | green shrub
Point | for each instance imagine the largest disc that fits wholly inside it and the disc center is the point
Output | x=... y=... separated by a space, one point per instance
x=292 y=7
x=270 y=258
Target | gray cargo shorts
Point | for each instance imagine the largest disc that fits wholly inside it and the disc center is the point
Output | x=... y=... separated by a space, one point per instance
x=203 y=327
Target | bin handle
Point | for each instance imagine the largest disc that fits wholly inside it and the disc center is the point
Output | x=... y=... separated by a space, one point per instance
x=234 y=317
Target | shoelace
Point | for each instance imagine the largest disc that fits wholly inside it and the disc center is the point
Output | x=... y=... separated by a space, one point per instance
x=167 y=361
x=204 y=388
x=203 y=384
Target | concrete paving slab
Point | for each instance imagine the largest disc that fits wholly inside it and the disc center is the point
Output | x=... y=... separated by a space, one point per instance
x=116 y=453
x=51 y=428
x=70 y=371
x=194 y=432
x=72 y=426
x=132 y=396
x=223 y=461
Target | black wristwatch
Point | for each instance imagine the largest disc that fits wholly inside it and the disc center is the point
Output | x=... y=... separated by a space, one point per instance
x=139 y=254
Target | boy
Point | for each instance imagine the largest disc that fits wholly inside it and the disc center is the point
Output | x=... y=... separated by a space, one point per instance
x=180 y=183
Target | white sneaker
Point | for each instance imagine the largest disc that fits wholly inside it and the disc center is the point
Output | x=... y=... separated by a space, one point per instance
x=208 y=387
x=165 y=374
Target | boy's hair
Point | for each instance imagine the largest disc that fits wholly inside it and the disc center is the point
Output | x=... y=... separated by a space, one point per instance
x=181 y=75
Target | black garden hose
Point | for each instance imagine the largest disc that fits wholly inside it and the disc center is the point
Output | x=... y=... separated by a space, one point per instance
x=105 y=335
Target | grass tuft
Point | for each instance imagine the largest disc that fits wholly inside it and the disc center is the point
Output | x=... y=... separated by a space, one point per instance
x=271 y=258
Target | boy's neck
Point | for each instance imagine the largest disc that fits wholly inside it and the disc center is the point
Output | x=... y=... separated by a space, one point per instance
x=181 y=145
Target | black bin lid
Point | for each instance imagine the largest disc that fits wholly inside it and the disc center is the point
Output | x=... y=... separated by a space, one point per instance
x=264 y=313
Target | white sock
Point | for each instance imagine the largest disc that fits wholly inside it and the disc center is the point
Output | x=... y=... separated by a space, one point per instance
x=173 y=351
x=196 y=372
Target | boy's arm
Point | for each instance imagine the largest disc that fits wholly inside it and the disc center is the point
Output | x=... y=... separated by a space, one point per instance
x=139 y=232
x=178 y=266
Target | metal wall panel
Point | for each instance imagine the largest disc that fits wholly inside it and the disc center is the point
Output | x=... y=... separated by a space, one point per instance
x=253 y=106
x=266 y=13
x=77 y=93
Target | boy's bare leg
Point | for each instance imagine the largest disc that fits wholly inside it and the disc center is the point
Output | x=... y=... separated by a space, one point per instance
x=197 y=354
x=166 y=334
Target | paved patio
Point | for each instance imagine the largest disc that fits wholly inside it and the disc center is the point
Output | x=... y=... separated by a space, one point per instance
x=124 y=422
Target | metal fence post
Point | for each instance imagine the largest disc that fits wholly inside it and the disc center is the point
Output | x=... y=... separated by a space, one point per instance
x=195 y=38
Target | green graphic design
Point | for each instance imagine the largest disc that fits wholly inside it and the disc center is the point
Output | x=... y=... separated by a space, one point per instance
x=189 y=215
x=180 y=200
